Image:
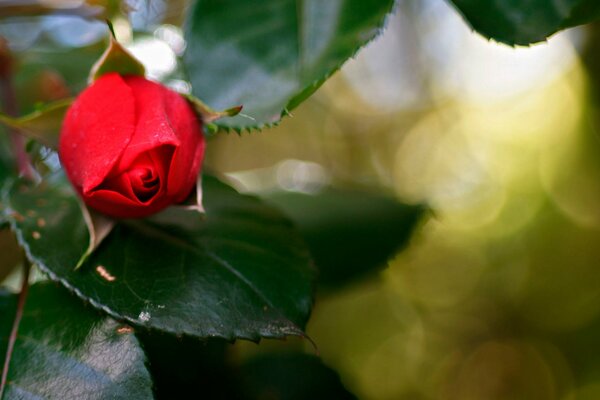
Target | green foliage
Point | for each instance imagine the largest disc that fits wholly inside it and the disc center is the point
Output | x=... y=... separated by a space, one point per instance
x=6 y=167
x=184 y=368
x=293 y=376
x=350 y=234
x=42 y=124
x=271 y=55
x=66 y=350
x=239 y=272
x=525 y=22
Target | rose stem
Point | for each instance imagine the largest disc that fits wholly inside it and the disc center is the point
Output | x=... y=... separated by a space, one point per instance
x=15 y=328
x=9 y=100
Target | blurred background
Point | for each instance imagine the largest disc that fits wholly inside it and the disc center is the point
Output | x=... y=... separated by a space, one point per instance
x=497 y=295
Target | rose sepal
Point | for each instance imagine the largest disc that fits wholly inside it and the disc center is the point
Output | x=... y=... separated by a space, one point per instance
x=208 y=115
x=43 y=124
x=194 y=201
x=116 y=59
x=99 y=226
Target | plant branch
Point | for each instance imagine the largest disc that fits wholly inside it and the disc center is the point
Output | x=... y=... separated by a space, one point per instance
x=15 y=328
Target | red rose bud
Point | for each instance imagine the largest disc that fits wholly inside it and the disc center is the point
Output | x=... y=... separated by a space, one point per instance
x=130 y=146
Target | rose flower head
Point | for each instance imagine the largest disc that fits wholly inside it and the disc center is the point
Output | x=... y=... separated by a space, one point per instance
x=130 y=146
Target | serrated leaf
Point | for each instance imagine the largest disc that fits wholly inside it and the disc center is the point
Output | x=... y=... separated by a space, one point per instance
x=42 y=125
x=66 y=351
x=525 y=22
x=350 y=233
x=240 y=271
x=116 y=59
x=270 y=55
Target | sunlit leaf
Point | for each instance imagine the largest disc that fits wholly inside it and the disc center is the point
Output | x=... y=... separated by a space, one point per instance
x=270 y=55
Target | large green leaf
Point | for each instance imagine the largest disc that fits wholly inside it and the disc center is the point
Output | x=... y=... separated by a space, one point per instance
x=270 y=55
x=240 y=271
x=67 y=351
x=523 y=22
x=349 y=233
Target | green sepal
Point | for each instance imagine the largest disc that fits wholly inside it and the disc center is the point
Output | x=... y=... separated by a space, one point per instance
x=116 y=59
x=98 y=225
x=42 y=125
x=207 y=114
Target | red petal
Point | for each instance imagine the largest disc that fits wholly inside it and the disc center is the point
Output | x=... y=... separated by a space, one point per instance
x=187 y=159
x=166 y=117
x=97 y=128
x=117 y=205
x=152 y=125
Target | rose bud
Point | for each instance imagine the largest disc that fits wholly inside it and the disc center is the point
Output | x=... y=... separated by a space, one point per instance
x=131 y=147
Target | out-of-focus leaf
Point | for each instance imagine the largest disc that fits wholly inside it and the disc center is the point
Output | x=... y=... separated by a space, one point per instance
x=526 y=22
x=7 y=168
x=270 y=55
x=43 y=124
x=189 y=368
x=293 y=376
x=10 y=253
x=67 y=351
x=20 y=8
x=72 y=64
x=240 y=271
x=350 y=234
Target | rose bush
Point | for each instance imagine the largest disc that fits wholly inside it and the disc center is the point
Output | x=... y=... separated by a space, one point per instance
x=131 y=146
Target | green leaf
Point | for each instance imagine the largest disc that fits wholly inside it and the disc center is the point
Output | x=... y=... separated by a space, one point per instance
x=349 y=233
x=66 y=351
x=240 y=271
x=526 y=22
x=116 y=59
x=293 y=376
x=42 y=125
x=270 y=55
